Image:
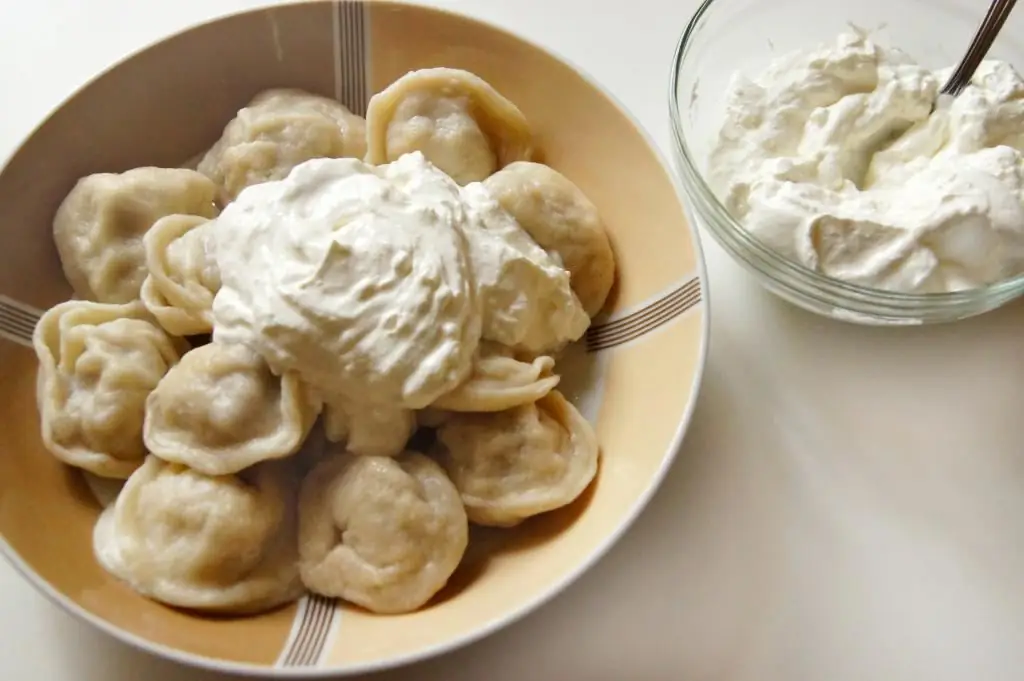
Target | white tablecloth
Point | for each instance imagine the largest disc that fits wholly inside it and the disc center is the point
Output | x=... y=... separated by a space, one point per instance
x=849 y=502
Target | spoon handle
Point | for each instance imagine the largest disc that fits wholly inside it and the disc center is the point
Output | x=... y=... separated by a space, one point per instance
x=990 y=26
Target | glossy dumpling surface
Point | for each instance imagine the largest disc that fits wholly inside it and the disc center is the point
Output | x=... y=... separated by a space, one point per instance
x=500 y=381
x=221 y=544
x=384 y=533
x=182 y=275
x=563 y=221
x=456 y=119
x=97 y=365
x=514 y=464
x=279 y=129
x=221 y=410
x=99 y=227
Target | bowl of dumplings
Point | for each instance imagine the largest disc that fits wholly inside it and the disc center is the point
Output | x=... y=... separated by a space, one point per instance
x=335 y=336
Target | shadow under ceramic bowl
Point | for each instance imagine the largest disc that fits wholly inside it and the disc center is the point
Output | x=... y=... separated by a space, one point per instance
x=636 y=377
x=726 y=36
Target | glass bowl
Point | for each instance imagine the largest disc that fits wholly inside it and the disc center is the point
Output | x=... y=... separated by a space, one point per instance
x=725 y=36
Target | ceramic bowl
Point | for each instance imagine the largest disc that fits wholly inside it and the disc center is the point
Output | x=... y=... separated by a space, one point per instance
x=635 y=376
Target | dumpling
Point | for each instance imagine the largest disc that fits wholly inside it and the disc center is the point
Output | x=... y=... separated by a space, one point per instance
x=98 y=228
x=525 y=294
x=563 y=221
x=218 y=544
x=461 y=124
x=279 y=129
x=432 y=417
x=97 y=365
x=384 y=533
x=500 y=381
x=183 y=275
x=514 y=464
x=221 y=410
x=368 y=429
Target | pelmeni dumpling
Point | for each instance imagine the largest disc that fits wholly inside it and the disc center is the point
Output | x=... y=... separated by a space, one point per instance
x=97 y=364
x=384 y=533
x=461 y=124
x=563 y=221
x=525 y=294
x=514 y=464
x=432 y=417
x=98 y=228
x=500 y=381
x=183 y=275
x=279 y=129
x=219 y=544
x=221 y=410
x=369 y=429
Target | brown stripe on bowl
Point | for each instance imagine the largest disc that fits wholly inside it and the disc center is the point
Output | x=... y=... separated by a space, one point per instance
x=17 y=321
x=648 y=318
x=311 y=632
x=350 y=79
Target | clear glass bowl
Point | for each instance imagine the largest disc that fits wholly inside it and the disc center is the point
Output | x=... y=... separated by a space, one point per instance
x=725 y=36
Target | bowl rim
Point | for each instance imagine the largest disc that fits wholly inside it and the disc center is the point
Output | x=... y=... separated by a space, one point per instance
x=719 y=218
x=526 y=608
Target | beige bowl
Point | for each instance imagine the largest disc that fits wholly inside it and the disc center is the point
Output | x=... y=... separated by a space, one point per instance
x=635 y=377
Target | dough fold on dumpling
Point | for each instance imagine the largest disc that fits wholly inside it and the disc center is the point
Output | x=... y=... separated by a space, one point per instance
x=368 y=429
x=183 y=275
x=500 y=381
x=461 y=124
x=219 y=544
x=221 y=410
x=514 y=464
x=384 y=533
x=279 y=129
x=97 y=365
x=99 y=227
x=559 y=217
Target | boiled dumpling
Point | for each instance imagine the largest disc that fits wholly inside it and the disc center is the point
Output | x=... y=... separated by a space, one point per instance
x=98 y=228
x=384 y=533
x=525 y=294
x=500 y=381
x=220 y=544
x=276 y=131
x=368 y=429
x=432 y=417
x=97 y=365
x=183 y=274
x=514 y=464
x=461 y=124
x=563 y=221
x=221 y=410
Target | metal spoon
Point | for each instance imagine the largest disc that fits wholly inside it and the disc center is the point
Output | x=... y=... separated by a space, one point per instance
x=983 y=38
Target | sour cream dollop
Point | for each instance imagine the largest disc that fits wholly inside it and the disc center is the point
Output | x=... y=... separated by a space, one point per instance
x=355 y=276
x=525 y=293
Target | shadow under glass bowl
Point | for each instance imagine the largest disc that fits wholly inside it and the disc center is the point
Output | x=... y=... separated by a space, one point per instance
x=725 y=36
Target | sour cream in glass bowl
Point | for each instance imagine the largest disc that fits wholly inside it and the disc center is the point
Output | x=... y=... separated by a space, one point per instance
x=806 y=138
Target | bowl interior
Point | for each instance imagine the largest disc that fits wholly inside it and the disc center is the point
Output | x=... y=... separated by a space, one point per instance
x=635 y=378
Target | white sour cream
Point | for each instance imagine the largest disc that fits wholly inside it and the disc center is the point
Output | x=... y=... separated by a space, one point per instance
x=526 y=297
x=835 y=158
x=357 y=277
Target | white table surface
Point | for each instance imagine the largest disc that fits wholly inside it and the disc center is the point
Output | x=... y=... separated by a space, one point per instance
x=848 y=505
